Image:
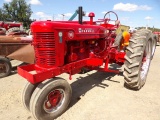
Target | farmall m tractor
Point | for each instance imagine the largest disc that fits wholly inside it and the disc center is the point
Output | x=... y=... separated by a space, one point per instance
x=7 y=28
x=68 y=47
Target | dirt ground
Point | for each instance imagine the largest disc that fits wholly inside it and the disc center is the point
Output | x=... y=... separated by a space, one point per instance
x=96 y=96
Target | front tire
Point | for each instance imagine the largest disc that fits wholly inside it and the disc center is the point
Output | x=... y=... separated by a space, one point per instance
x=50 y=99
x=138 y=58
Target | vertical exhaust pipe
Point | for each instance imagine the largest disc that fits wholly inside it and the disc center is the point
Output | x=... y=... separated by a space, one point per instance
x=80 y=15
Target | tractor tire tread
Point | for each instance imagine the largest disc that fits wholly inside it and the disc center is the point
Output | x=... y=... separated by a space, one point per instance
x=133 y=65
x=130 y=49
x=135 y=55
x=128 y=59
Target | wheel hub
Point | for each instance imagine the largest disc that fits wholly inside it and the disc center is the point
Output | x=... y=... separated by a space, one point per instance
x=54 y=100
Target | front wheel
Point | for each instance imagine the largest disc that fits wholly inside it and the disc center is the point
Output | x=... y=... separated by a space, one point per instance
x=138 y=58
x=50 y=99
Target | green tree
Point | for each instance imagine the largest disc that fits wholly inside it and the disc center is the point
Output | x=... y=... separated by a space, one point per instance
x=2 y=15
x=17 y=10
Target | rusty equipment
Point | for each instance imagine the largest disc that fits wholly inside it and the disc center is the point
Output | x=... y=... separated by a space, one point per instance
x=73 y=46
x=17 y=48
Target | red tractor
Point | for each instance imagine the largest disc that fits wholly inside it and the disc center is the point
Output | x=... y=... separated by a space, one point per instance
x=158 y=36
x=8 y=27
x=72 y=46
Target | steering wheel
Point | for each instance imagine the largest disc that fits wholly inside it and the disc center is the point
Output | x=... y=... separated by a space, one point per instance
x=108 y=19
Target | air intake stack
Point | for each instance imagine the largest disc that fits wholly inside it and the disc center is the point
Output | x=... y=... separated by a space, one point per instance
x=80 y=15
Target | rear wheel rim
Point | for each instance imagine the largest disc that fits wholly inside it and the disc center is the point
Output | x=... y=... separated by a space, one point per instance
x=145 y=62
x=54 y=101
x=153 y=47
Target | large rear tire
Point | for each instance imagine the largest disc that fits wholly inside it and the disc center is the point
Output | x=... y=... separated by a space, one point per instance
x=13 y=29
x=138 y=58
x=50 y=99
x=5 y=67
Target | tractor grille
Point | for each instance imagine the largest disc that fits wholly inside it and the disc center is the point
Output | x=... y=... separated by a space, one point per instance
x=44 y=45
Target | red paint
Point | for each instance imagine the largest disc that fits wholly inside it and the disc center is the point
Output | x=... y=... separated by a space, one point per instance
x=8 y=25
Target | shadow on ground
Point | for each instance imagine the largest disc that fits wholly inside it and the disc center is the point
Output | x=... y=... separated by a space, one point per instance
x=83 y=84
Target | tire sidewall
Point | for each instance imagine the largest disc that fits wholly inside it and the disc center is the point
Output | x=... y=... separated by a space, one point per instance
x=27 y=93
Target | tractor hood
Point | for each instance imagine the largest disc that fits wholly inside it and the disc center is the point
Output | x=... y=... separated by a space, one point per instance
x=79 y=31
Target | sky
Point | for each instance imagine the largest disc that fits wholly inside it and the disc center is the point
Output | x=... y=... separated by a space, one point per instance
x=133 y=13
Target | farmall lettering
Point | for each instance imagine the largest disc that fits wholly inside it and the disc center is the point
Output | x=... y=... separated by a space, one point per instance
x=86 y=30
